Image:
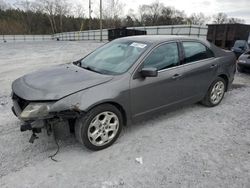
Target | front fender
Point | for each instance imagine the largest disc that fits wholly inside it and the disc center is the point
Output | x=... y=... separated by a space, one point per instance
x=85 y=100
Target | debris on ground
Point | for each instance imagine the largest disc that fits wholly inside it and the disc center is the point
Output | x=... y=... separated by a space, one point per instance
x=139 y=160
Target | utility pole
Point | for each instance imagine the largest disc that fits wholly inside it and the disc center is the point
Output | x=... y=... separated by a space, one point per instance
x=101 y=20
x=112 y=14
x=90 y=14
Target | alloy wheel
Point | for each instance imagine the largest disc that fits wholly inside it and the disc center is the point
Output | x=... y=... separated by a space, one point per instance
x=103 y=128
x=217 y=92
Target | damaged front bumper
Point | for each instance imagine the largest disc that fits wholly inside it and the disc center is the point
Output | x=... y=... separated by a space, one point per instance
x=36 y=115
x=34 y=126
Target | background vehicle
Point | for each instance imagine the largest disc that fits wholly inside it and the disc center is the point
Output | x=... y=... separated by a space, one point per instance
x=125 y=80
x=243 y=62
x=240 y=46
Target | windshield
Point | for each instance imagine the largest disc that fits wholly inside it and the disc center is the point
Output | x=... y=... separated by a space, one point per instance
x=240 y=44
x=115 y=57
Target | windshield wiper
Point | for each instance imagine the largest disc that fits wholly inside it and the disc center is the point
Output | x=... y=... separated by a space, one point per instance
x=90 y=69
x=78 y=62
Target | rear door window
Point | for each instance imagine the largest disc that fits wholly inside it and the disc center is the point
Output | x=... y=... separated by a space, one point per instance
x=195 y=51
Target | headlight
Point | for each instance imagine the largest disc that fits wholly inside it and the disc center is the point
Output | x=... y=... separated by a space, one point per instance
x=242 y=61
x=36 y=110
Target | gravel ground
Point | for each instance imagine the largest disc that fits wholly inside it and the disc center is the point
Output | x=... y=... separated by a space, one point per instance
x=193 y=146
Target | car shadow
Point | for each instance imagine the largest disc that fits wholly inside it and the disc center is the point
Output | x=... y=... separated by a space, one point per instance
x=238 y=86
x=69 y=140
x=162 y=116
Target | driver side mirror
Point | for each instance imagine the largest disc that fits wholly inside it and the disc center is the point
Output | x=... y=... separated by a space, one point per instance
x=149 y=72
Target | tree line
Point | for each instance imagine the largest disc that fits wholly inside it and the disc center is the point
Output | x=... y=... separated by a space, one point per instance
x=54 y=16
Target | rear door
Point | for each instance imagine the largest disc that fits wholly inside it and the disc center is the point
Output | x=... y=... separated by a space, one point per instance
x=200 y=69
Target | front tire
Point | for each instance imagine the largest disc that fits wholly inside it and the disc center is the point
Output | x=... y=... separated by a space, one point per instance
x=215 y=93
x=100 y=127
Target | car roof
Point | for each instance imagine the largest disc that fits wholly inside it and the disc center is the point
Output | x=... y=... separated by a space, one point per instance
x=157 y=39
x=161 y=38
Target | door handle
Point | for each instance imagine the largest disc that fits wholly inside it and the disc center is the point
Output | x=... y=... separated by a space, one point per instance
x=213 y=66
x=176 y=76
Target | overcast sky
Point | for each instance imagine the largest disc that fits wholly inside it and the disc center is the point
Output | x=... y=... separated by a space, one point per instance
x=234 y=8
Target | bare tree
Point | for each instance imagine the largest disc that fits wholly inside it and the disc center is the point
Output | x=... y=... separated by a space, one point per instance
x=166 y=15
x=198 y=19
x=156 y=13
x=142 y=10
x=132 y=14
x=62 y=8
x=116 y=8
x=79 y=13
x=53 y=8
x=28 y=7
x=155 y=10
x=149 y=14
x=3 y=5
x=48 y=7
x=178 y=17
x=235 y=20
x=220 y=18
x=112 y=12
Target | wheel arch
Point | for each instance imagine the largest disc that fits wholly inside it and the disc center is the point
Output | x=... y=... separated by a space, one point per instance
x=117 y=105
x=225 y=77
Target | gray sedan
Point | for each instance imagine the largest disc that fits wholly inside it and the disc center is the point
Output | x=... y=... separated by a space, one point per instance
x=123 y=81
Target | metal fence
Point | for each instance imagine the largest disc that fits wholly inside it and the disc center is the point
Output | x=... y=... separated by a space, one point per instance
x=189 y=30
x=81 y=35
x=16 y=38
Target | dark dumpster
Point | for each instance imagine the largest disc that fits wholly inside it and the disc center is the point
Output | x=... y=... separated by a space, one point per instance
x=123 y=32
x=225 y=35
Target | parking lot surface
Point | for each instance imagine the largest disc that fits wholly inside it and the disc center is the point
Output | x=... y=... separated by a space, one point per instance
x=193 y=146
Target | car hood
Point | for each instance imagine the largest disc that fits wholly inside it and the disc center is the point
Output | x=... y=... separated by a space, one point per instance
x=245 y=57
x=56 y=83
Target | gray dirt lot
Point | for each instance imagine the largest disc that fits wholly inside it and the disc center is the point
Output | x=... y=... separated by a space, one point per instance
x=193 y=146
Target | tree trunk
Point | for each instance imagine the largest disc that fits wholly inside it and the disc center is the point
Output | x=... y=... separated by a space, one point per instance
x=61 y=22
x=51 y=24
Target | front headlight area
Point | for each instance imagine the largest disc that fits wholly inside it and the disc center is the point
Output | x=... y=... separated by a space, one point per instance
x=36 y=111
x=242 y=61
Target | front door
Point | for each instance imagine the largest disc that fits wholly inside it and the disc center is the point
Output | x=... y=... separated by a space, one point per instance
x=153 y=93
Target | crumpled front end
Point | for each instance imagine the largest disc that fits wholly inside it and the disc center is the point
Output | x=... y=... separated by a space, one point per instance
x=36 y=115
x=35 y=94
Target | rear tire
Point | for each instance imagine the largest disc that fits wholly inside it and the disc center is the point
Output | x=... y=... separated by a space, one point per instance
x=215 y=93
x=100 y=127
